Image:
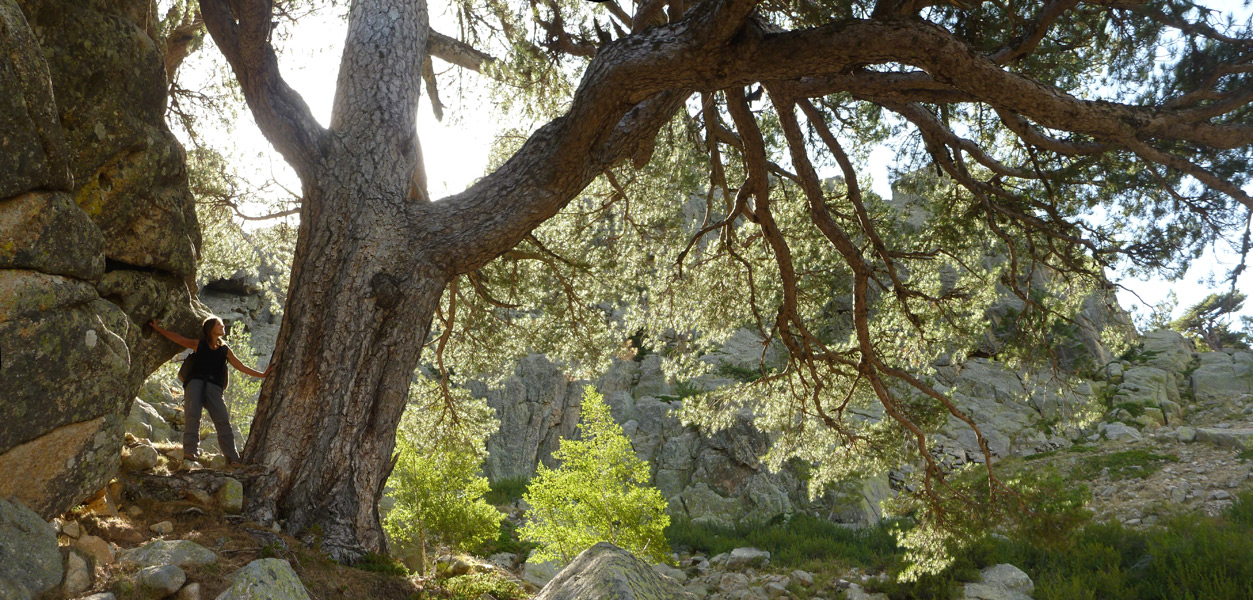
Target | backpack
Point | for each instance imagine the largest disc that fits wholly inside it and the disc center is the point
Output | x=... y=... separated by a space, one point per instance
x=184 y=371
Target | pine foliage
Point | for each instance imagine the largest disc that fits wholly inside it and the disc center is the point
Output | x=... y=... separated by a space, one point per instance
x=600 y=493
x=437 y=482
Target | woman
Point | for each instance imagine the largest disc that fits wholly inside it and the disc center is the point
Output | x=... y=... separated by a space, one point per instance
x=203 y=387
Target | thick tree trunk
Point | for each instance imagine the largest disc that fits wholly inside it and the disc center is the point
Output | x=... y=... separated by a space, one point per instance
x=362 y=294
x=365 y=282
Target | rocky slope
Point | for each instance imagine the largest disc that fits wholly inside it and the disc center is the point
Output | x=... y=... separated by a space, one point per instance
x=1188 y=415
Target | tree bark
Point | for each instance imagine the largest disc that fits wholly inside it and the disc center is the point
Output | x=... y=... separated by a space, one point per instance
x=362 y=295
x=365 y=281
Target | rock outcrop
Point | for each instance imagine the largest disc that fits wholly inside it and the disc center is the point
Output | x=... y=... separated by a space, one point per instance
x=271 y=578
x=716 y=478
x=608 y=572
x=99 y=235
x=30 y=563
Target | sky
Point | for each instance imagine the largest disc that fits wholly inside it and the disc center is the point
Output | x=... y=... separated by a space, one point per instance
x=456 y=149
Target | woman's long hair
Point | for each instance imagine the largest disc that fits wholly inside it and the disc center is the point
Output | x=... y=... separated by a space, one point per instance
x=206 y=330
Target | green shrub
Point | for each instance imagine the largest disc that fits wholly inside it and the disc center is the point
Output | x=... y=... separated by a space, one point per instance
x=599 y=493
x=1189 y=557
x=506 y=491
x=507 y=541
x=742 y=374
x=473 y=586
x=241 y=395
x=436 y=483
x=1134 y=408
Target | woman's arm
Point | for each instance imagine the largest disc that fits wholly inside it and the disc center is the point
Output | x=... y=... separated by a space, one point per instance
x=235 y=362
x=173 y=337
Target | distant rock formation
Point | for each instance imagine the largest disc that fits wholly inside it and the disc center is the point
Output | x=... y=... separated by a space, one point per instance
x=714 y=478
x=99 y=234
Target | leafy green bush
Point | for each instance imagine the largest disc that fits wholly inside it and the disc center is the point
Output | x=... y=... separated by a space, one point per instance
x=473 y=586
x=437 y=483
x=599 y=493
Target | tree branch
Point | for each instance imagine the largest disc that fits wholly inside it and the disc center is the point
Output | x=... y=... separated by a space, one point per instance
x=241 y=30
x=635 y=83
x=456 y=52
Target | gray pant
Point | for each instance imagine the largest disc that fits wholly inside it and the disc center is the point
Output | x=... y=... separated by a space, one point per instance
x=202 y=394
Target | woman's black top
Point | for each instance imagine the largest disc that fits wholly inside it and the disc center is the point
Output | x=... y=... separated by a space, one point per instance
x=210 y=365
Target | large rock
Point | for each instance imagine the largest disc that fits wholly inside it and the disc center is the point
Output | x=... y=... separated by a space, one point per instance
x=539 y=573
x=1148 y=386
x=77 y=574
x=1001 y=582
x=607 y=572
x=744 y=558
x=99 y=235
x=109 y=82
x=44 y=231
x=35 y=154
x=1237 y=438
x=145 y=422
x=230 y=496
x=1223 y=377
x=270 y=578
x=1000 y=402
x=30 y=563
x=161 y=581
x=66 y=375
x=168 y=552
x=1167 y=350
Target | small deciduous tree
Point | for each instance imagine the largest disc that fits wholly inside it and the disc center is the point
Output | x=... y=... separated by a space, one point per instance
x=600 y=493
x=437 y=482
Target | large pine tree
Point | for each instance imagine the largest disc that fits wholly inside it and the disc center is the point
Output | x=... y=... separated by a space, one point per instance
x=1065 y=136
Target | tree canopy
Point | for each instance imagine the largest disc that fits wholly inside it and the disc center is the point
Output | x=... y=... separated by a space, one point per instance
x=685 y=169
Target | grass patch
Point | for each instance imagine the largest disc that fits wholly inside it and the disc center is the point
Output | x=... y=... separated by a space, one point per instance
x=506 y=491
x=1129 y=464
x=793 y=542
x=1190 y=557
x=379 y=563
x=1245 y=455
